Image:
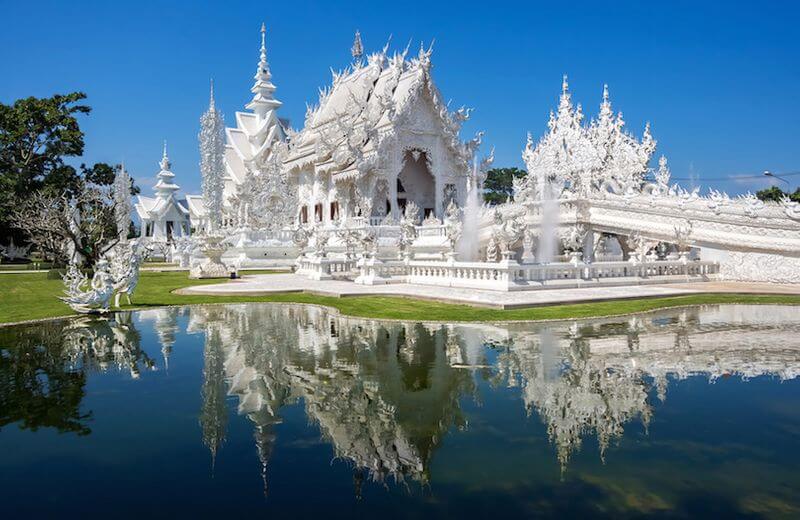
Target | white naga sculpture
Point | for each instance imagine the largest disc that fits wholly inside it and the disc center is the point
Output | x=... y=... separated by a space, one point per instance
x=453 y=227
x=92 y=299
x=125 y=268
x=120 y=276
x=508 y=229
x=408 y=229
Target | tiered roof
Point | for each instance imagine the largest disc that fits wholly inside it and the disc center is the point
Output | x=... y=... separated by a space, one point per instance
x=249 y=144
x=165 y=191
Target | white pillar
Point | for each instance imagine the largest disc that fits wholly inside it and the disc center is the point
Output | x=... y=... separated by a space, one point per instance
x=393 y=198
x=588 y=247
x=438 y=192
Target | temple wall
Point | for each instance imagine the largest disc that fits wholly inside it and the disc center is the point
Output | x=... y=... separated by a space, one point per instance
x=744 y=266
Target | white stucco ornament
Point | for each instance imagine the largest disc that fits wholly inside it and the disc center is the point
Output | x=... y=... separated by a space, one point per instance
x=124 y=268
x=95 y=297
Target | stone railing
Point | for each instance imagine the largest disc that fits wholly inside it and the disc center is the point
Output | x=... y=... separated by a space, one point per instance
x=324 y=268
x=510 y=276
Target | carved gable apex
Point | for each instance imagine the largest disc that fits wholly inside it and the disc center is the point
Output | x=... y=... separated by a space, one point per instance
x=420 y=115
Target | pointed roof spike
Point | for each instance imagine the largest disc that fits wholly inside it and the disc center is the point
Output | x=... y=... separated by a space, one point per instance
x=263 y=36
x=357 y=50
x=386 y=47
x=164 y=163
x=211 y=104
x=262 y=64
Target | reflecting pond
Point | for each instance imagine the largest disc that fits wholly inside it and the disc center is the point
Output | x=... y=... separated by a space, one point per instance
x=295 y=411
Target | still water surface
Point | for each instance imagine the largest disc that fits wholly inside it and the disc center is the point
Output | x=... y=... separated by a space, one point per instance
x=295 y=412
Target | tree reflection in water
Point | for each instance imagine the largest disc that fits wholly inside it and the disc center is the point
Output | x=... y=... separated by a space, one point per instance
x=385 y=394
x=43 y=368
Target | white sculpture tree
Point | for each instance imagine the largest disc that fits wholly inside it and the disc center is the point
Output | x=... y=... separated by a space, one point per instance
x=212 y=167
x=122 y=202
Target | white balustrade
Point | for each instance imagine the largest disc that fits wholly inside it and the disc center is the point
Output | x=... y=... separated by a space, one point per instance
x=507 y=276
x=324 y=268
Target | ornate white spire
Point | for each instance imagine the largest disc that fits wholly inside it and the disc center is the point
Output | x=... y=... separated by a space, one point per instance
x=122 y=198
x=212 y=162
x=358 y=48
x=263 y=102
x=164 y=163
x=165 y=187
x=211 y=104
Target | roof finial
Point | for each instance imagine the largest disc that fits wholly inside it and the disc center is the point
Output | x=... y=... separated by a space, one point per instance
x=358 y=48
x=263 y=62
x=211 y=104
x=263 y=36
x=164 y=159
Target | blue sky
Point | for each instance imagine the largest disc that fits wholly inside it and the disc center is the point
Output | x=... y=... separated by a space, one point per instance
x=718 y=81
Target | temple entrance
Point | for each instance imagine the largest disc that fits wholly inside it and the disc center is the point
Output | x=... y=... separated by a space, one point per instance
x=417 y=182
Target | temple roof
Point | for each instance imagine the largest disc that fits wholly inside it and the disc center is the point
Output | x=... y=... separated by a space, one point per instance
x=380 y=90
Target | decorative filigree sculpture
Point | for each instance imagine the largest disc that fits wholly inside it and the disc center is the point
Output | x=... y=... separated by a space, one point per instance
x=321 y=237
x=300 y=238
x=509 y=226
x=348 y=235
x=13 y=251
x=641 y=245
x=791 y=208
x=573 y=238
x=92 y=299
x=184 y=248
x=125 y=269
x=453 y=226
x=369 y=242
x=492 y=251
x=408 y=228
x=211 y=267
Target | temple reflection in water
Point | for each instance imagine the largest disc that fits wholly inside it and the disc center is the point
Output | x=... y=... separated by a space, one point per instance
x=385 y=394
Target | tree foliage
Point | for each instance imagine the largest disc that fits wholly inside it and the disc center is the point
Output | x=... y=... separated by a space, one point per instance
x=775 y=194
x=66 y=226
x=498 y=186
x=37 y=138
x=38 y=386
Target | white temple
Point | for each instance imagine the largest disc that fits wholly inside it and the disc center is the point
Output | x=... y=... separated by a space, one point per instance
x=381 y=140
x=164 y=217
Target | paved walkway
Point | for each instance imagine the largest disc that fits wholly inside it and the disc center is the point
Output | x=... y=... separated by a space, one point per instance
x=275 y=283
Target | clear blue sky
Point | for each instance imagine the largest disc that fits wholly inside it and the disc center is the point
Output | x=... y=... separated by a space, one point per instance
x=719 y=82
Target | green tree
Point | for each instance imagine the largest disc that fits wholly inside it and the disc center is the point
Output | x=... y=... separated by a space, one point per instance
x=37 y=137
x=775 y=194
x=499 y=186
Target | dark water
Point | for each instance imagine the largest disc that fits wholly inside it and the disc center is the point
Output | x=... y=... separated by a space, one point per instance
x=292 y=412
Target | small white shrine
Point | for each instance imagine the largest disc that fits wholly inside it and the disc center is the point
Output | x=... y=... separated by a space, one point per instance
x=164 y=217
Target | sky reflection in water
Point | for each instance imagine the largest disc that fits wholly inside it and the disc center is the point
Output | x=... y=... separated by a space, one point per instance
x=292 y=410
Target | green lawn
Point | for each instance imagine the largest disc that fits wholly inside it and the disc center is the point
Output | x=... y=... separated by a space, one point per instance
x=32 y=296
